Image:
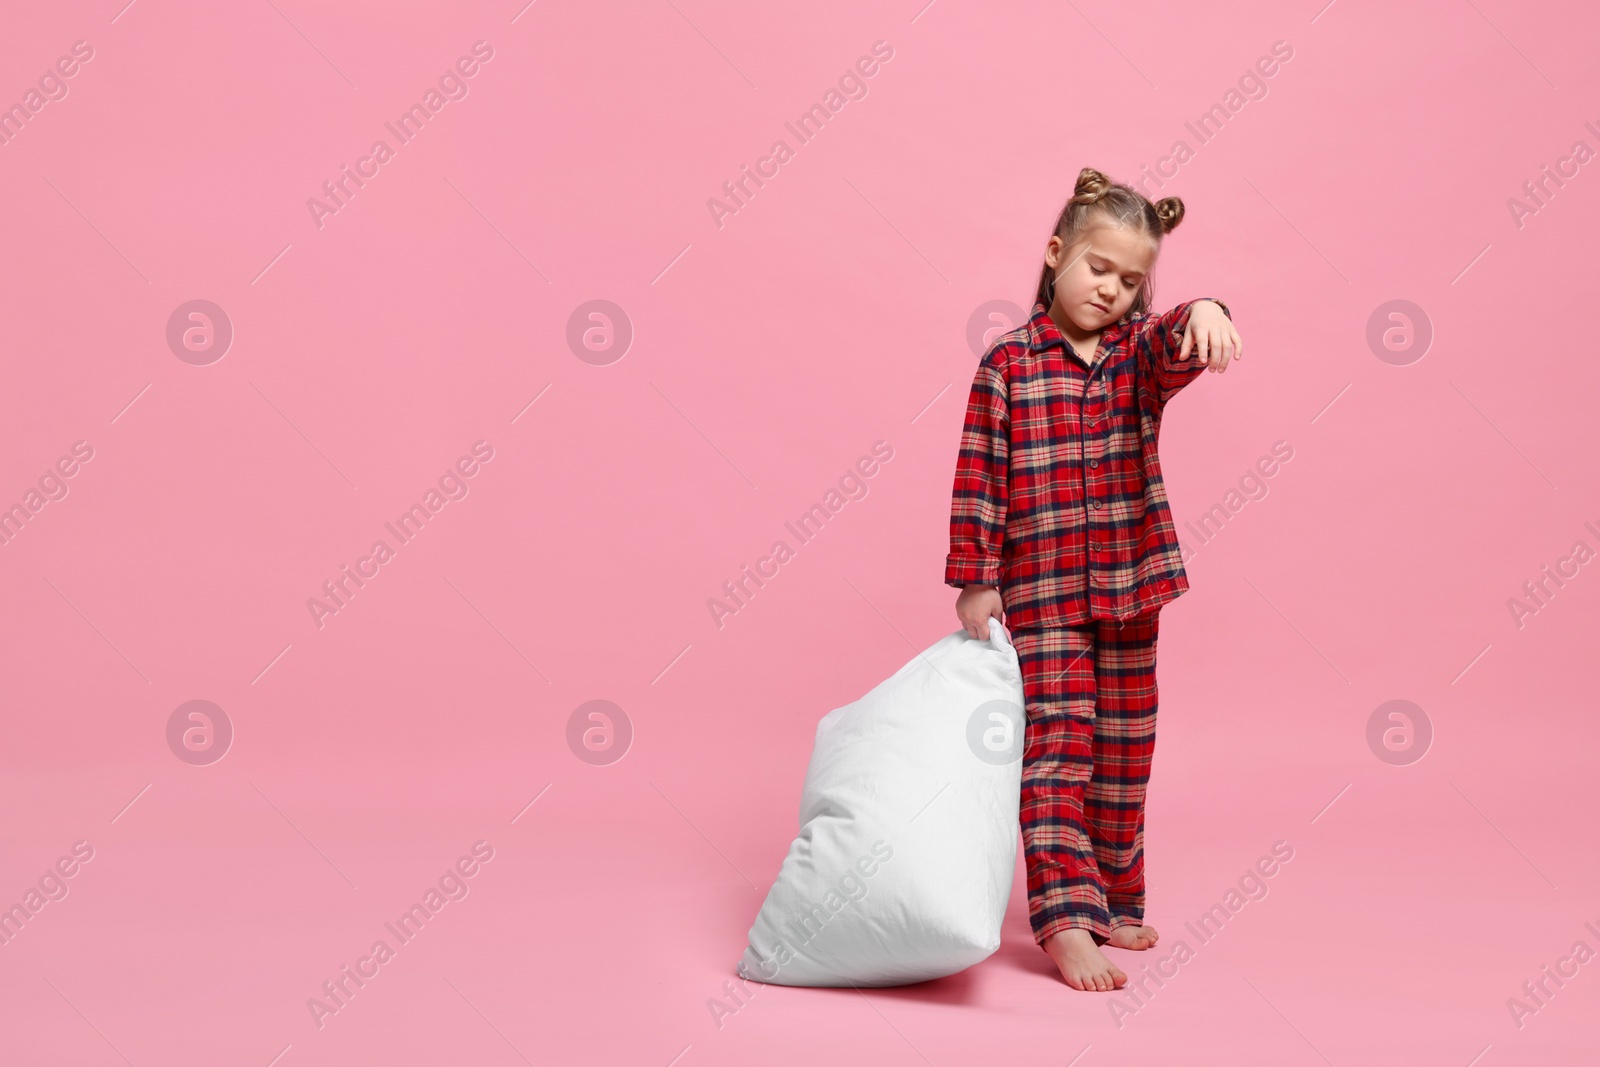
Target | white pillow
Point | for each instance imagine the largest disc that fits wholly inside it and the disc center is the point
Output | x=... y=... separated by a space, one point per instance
x=908 y=827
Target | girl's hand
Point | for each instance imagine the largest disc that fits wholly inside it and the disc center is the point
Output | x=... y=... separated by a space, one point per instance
x=1211 y=336
x=976 y=605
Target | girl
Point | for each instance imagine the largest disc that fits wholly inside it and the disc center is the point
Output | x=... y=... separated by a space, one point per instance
x=1059 y=505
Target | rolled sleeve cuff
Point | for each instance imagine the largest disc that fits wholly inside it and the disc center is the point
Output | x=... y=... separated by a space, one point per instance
x=971 y=570
x=1191 y=367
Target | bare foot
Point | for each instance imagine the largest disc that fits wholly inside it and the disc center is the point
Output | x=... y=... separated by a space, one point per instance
x=1082 y=963
x=1135 y=937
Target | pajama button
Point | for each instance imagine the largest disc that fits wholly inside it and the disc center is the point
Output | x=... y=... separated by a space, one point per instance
x=1097 y=504
x=1094 y=463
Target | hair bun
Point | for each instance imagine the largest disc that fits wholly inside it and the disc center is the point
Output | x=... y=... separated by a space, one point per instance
x=1091 y=187
x=1170 y=212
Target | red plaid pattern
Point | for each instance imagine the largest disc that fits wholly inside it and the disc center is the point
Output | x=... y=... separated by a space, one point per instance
x=1091 y=704
x=1058 y=498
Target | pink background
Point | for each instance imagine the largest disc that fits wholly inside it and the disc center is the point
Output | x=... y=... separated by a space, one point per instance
x=767 y=357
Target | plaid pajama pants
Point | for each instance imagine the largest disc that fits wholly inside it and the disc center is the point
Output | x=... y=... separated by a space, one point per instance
x=1091 y=706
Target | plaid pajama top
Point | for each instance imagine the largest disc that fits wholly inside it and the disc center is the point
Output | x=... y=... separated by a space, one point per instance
x=1058 y=498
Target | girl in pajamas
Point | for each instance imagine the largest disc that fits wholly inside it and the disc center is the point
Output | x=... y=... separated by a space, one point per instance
x=1060 y=527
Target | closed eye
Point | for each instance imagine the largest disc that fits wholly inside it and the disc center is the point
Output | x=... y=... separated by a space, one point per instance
x=1125 y=281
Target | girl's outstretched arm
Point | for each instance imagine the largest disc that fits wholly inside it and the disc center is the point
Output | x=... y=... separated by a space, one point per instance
x=1175 y=348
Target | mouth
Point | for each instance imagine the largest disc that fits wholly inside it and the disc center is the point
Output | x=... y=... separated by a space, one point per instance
x=1099 y=307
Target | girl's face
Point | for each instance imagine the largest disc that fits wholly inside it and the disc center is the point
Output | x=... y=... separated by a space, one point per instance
x=1098 y=277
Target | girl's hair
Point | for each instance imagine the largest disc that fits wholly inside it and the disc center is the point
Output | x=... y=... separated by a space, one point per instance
x=1096 y=198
